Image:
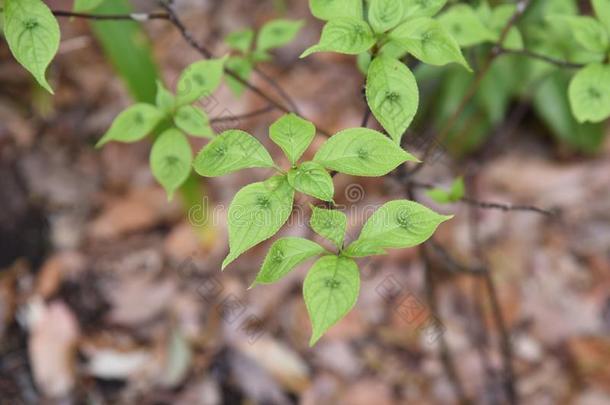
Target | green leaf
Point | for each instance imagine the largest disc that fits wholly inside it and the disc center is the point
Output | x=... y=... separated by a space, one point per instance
x=86 y=5
x=198 y=80
x=332 y=9
x=243 y=68
x=293 y=135
x=587 y=31
x=256 y=213
x=463 y=23
x=499 y=17
x=229 y=152
x=330 y=291
x=164 y=99
x=385 y=14
x=397 y=224
x=589 y=93
x=170 y=160
x=193 y=121
x=363 y=61
x=240 y=40
x=283 y=256
x=454 y=194
x=422 y=8
x=602 y=11
x=32 y=34
x=277 y=33
x=330 y=224
x=312 y=179
x=429 y=42
x=133 y=124
x=361 y=152
x=392 y=95
x=344 y=35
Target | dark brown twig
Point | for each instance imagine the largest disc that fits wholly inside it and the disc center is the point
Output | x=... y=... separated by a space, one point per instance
x=544 y=58
x=112 y=17
x=244 y=116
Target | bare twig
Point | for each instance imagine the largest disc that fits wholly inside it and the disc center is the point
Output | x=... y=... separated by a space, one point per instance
x=112 y=17
x=279 y=89
x=244 y=116
x=544 y=58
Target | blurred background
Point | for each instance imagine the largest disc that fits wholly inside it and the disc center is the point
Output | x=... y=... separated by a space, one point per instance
x=110 y=294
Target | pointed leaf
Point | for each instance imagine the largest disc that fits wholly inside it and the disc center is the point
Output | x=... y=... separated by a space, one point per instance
x=164 y=99
x=397 y=224
x=385 y=14
x=332 y=9
x=277 y=33
x=133 y=124
x=198 y=80
x=344 y=35
x=361 y=152
x=330 y=224
x=193 y=121
x=32 y=34
x=293 y=134
x=229 y=152
x=242 y=67
x=454 y=194
x=170 y=160
x=392 y=95
x=256 y=213
x=463 y=23
x=312 y=179
x=589 y=93
x=330 y=291
x=587 y=31
x=421 y=8
x=429 y=42
x=240 y=40
x=283 y=256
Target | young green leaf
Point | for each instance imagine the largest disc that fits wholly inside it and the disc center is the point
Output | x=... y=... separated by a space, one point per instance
x=385 y=14
x=240 y=40
x=164 y=99
x=193 y=121
x=392 y=95
x=277 y=33
x=363 y=61
x=243 y=68
x=256 y=213
x=293 y=135
x=198 y=80
x=463 y=23
x=312 y=179
x=330 y=291
x=133 y=124
x=454 y=194
x=587 y=31
x=170 y=160
x=429 y=42
x=397 y=224
x=229 y=152
x=589 y=93
x=602 y=11
x=330 y=224
x=361 y=152
x=86 y=5
x=283 y=256
x=421 y=8
x=344 y=35
x=32 y=34
x=332 y=9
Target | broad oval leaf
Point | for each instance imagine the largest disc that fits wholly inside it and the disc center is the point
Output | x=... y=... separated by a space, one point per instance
x=256 y=213
x=330 y=291
x=86 y=5
x=587 y=31
x=428 y=41
x=392 y=95
x=170 y=160
x=293 y=135
x=242 y=67
x=33 y=35
x=602 y=11
x=330 y=224
x=283 y=256
x=589 y=93
x=198 y=80
x=240 y=40
x=396 y=224
x=229 y=152
x=193 y=121
x=385 y=14
x=421 y=8
x=332 y=9
x=133 y=124
x=312 y=179
x=277 y=33
x=361 y=152
x=463 y=23
x=344 y=35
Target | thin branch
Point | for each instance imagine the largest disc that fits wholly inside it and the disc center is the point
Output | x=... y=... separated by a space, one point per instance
x=244 y=116
x=112 y=17
x=279 y=89
x=533 y=55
